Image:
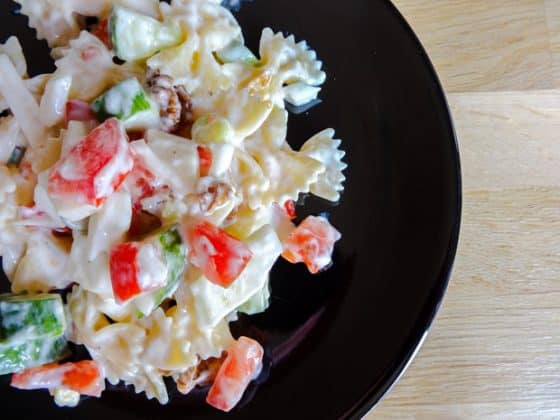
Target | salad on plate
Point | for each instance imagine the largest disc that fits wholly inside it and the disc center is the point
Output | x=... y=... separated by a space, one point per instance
x=147 y=188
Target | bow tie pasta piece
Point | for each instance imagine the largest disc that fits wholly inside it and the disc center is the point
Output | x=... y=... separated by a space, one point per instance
x=283 y=62
x=215 y=25
x=109 y=225
x=93 y=276
x=212 y=302
x=208 y=27
x=117 y=347
x=167 y=345
x=248 y=114
x=90 y=64
x=272 y=133
x=57 y=21
x=181 y=158
x=289 y=173
x=54 y=20
x=325 y=149
x=174 y=341
x=43 y=265
x=246 y=221
x=249 y=178
x=149 y=380
x=85 y=316
x=103 y=7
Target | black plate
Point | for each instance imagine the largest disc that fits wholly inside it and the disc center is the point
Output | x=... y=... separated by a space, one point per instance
x=336 y=342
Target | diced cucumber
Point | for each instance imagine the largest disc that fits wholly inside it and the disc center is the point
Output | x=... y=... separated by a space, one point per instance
x=136 y=36
x=30 y=317
x=236 y=52
x=14 y=358
x=173 y=251
x=212 y=129
x=129 y=102
x=258 y=302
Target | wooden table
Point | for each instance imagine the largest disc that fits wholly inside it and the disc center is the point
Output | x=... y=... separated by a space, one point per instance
x=494 y=349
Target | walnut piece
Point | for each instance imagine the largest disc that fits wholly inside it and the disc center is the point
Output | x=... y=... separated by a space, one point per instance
x=202 y=374
x=174 y=102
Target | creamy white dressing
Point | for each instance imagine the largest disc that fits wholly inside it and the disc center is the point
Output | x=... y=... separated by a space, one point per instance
x=152 y=269
x=43 y=266
x=180 y=157
x=109 y=225
x=44 y=205
x=222 y=155
x=155 y=164
x=119 y=99
x=93 y=276
x=53 y=101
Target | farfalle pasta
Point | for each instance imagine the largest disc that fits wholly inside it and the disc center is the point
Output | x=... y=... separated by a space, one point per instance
x=150 y=182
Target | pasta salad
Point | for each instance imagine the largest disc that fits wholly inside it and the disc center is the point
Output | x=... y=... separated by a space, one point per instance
x=149 y=177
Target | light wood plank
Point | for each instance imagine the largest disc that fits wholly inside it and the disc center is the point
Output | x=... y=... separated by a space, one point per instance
x=508 y=139
x=552 y=10
x=494 y=351
x=482 y=45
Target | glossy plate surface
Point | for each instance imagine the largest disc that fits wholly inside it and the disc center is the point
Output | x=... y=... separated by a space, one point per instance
x=337 y=341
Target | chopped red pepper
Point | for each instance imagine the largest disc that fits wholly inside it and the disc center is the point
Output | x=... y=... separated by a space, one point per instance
x=124 y=271
x=312 y=243
x=83 y=377
x=242 y=364
x=92 y=170
x=204 y=159
x=220 y=256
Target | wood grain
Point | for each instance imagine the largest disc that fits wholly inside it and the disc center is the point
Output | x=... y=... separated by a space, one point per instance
x=552 y=11
x=508 y=139
x=494 y=350
x=484 y=45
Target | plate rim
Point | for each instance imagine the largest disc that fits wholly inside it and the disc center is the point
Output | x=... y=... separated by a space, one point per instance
x=380 y=388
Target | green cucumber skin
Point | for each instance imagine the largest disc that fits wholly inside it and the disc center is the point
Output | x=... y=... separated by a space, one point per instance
x=29 y=317
x=28 y=354
x=174 y=252
x=140 y=102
